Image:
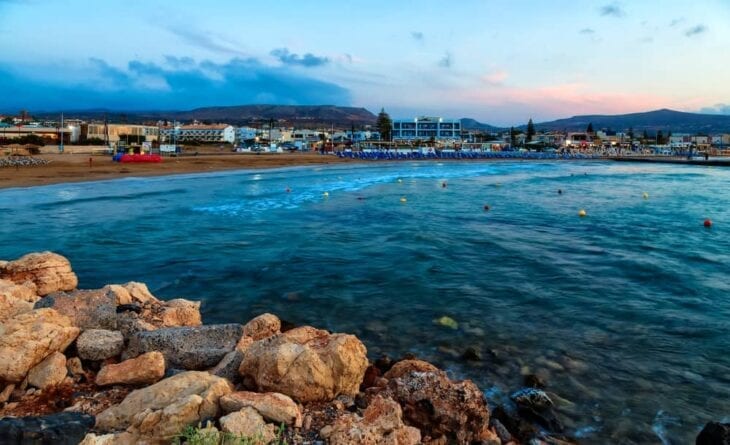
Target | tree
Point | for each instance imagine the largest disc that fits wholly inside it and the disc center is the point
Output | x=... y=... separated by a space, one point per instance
x=530 y=130
x=589 y=130
x=512 y=136
x=645 y=136
x=385 y=125
x=631 y=133
x=660 y=137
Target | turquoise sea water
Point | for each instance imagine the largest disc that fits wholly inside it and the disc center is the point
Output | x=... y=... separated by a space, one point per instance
x=625 y=313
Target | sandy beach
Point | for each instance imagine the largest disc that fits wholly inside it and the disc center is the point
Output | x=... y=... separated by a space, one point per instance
x=75 y=167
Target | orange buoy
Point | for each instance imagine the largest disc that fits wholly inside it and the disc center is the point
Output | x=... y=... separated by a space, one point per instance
x=708 y=223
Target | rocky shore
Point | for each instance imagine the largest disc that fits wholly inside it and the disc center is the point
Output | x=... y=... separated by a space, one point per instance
x=118 y=366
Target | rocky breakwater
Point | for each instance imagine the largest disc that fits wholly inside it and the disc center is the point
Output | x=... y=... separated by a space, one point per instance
x=118 y=366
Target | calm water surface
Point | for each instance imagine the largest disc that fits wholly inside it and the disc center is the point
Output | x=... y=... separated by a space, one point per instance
x=625 y=313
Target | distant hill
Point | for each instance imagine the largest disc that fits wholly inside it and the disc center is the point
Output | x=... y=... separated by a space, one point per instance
x=299 y=115
x=473 y=124
x=651 y=121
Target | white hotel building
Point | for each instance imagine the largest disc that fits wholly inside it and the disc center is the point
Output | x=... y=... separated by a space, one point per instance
x=220 y=133
x=425 y=128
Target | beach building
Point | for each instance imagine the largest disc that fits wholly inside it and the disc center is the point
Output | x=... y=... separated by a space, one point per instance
x=581 y=139
x=425 y=128
x=215 y=134
x=119 y=132
x=246 y=133
x=358 y=136
x=307 y=135
x=721 y=140
x=50 y=133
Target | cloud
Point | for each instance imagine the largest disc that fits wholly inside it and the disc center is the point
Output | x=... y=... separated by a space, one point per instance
x=495 y=78
x=206 y=40
x=695 y=30
x=417 y=36
x=716 y=109
x=308 y=60
x=676 y=22
x=587 y=31
x=446 y=61
x=612 y=10
x=143 y=85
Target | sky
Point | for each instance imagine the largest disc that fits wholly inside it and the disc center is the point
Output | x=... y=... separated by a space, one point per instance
x=501 y=62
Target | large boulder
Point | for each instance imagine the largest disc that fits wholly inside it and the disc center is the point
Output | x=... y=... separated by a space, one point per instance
x=49 y=271
x=139 y=293
x=16 y=298
x=454 y=411
x=405 y=367
x=306 y=364
x=99 y=344
x=58 y=429
x=145 y=369
x=273 y=406
x=187 y=347
x=381 y=423
x=263 y=326
x=28 y=338
x=50 y=372
x=714 y=433
x=88 y=309
x=249 y=424
x=160 y=411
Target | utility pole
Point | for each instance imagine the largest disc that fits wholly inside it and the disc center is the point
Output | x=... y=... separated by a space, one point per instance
x=60 y=145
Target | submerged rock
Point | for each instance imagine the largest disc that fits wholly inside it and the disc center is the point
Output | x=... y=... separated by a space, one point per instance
x=57 y=429
x=535 y=405
x=306 y=364
x=714 y=433
x=187 y=347
x=26 y=339
x=145 y=369
x=49 y=271
x=160 y=411
x=381 y=423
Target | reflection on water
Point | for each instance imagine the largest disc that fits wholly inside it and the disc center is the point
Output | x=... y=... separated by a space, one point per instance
x=623 y=313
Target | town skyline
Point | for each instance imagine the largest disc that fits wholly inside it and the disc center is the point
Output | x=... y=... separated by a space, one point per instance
x=485 y=60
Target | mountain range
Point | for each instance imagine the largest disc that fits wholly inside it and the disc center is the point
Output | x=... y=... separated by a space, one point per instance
x=311 y=116
x=650 y=121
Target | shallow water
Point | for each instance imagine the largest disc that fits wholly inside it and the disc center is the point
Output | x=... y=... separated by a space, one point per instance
x=625 y=313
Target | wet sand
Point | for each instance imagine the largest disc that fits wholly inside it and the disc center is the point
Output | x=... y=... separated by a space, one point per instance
x=75 y=167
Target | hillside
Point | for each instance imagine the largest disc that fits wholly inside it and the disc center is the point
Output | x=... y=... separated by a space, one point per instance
x=473 y=124
x=651 y=121
x=299 y=115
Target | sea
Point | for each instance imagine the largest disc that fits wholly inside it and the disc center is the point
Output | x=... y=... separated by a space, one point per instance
x=624 y=314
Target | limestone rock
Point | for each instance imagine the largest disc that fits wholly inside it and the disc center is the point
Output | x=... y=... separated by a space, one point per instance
x=16 y=298
x=244 y=343
x=228 y=366
x=49 y=271
x=181 y=312
x=306 y=364
x=99 y=344
x=187 y=347
x=145 y=369
x=275 y=407
x=249 y=424
x=123 y=438
x=5 y=393
x=405 y=367
x=139 y=292
x=441 y=408
x=120 y=293
x=57 y=429
x=74 y=366
x=160 y=411
x=381 y=423
x=265 y=325
x=50 y=372
x=26 y=339
x=88 y=309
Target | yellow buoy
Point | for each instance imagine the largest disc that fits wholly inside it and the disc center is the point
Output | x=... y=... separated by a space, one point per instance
x=403 y=200
x=646 y=195
x=326 y=194
x=582 y=213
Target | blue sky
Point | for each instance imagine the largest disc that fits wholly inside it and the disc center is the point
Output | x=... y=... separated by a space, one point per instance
x=501 y=62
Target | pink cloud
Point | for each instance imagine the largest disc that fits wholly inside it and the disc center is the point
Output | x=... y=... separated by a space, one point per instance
x=496 y=77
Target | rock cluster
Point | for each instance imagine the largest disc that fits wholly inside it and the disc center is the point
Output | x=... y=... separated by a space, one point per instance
x=22 y=161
